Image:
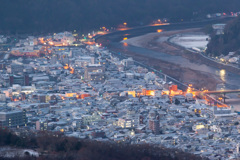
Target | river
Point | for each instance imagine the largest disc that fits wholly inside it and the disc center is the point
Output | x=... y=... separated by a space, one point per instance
x=231 y=80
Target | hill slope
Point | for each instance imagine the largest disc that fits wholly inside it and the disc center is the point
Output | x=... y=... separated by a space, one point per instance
x=56 y=15
x=228 y=42
x=56 y=146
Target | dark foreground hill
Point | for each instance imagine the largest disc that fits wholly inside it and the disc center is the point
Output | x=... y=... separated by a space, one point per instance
x=36 y=16
x=56 y=146
x=228 y=42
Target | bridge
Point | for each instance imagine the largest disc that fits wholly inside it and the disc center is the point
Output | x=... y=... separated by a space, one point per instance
x=223 y=92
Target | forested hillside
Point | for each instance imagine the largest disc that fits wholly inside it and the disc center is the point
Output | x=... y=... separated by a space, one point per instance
x=55 y=146
x=228 y=42
x=23 y=16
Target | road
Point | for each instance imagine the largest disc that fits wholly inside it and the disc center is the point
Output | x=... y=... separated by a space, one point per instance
x=137 y=31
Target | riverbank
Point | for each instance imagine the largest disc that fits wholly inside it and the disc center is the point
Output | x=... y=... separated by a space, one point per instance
x=185 y=75
x=160 y=42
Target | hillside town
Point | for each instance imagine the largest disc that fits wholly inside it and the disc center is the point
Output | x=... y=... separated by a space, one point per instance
x=58 y=84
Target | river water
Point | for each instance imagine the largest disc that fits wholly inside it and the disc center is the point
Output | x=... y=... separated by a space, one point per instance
x=231 y=80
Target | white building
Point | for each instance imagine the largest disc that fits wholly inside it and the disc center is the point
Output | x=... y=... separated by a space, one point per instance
x=126 y=123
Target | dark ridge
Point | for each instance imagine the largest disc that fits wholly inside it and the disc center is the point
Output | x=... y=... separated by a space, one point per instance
x=228 y=42
x=42 y=16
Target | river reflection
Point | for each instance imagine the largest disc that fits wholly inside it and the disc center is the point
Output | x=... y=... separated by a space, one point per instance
x=222 y=74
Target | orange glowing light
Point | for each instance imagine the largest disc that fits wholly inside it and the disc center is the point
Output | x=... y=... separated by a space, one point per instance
x=102 y=32
x=70 y=94
x=123 y=29
x=51 y=43
x=222 y=106
x=175 y=93
x=124 y=23
x=125 y=38
x=125 y=44
x=190 y=90
x=71 y=70
x=159 y=30
x=85 y=95
x=90 y=43
x=152 y=93
x=57 y=45
x=133 y=93
x=66 y=66
x=159 y=24
x=41 y=40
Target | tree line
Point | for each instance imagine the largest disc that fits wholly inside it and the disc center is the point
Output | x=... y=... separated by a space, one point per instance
x=227 y=42
x=54 y=145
